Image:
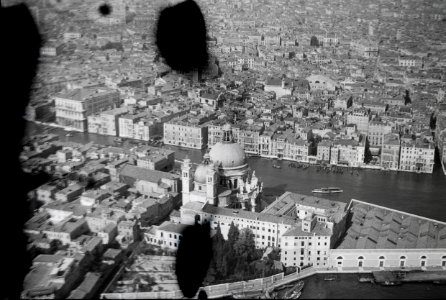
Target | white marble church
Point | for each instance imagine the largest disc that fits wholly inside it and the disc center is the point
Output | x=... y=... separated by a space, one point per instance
x=223 y=178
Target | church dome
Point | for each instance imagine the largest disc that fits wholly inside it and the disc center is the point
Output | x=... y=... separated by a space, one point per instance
x=228 y=155
x=200 y=174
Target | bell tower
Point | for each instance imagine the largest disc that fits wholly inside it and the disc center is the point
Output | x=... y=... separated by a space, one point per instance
x=211 y=184
x=186 y=180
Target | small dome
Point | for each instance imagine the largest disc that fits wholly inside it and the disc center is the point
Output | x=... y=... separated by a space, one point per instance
x=228 y=155
x=200 y=174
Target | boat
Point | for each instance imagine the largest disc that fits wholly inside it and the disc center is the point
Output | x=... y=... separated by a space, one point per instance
x=277 y=167
x=69 y=134
x=327 y=190
x=297 y=288
x=295 y=295
x=391 y=283
x=118 y=140
x=439 y=282
x=330 y=277
x=366 y=279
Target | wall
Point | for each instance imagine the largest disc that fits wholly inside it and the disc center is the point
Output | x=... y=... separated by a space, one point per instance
x=392 y=257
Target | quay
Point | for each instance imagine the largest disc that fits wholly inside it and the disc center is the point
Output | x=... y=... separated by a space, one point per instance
x=400 y=276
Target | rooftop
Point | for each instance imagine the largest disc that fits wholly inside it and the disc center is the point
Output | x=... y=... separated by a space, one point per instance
x=377 y=227
x=286 y=204
x=172 y=227
x=146 y=174
x=84 y=94
x=262 y=217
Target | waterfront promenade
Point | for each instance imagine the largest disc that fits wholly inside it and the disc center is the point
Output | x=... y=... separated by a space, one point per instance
x=262 y=284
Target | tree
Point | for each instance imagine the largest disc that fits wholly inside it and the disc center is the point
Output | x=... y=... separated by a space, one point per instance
x=350 y=101
x=245 y=244
x=314 y=41
x=233 y=235
x=433 y=121
x=407 y=99
x=218 y=245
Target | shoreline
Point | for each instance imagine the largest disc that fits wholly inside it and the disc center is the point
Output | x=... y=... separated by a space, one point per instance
x=250 y=155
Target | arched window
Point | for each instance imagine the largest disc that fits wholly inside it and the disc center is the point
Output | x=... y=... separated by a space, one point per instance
x=360 y=261
x=381 y=261
x=339 y=259
x=402 y=261
x=423 y=261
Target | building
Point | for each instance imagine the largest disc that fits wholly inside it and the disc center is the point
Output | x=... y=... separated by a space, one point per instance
x=69 y=193
x=154 y=158
x=376 y=132
x=186 y=132
x=280 y=86
x=321 y=82
x=286 y=146
x=320 y=224
x=223 y=179
x=74 y=107
x=360 y=118
x=167 y=235
x=347 y=152
x=106 y=123
x=51 y=276
x=139 y=126
x=390 y=152
x=324 y=150
x=366 y=49
x=410 y=61
x=212 y=99
x=52 y=49
x=148 y=181
x=46 y=193
x=381 y=238
x=266 y=227
x=417 y=156
x=247 y=136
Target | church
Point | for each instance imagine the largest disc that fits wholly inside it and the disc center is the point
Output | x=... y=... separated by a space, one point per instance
x=223 y=179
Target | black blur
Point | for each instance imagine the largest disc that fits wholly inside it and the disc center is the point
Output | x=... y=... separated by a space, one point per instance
x=193 y=258
x=181 y=40
x=181 y=37
x=20 y=51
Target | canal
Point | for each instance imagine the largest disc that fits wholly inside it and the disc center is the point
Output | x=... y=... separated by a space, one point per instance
x=420 y=194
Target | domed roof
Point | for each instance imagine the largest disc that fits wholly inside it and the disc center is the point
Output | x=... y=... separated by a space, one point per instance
x=228 y=155
x=200 y=173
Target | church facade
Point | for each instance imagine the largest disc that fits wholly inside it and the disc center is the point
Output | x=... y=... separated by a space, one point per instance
x=223 y=178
